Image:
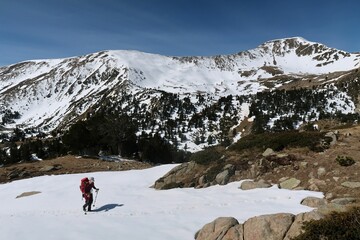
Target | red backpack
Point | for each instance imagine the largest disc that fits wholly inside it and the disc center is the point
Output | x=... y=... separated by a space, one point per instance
x=83 y=183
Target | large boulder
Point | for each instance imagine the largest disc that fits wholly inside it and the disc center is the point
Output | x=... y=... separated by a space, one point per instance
x=269 y=227
x=176 y=175
x=313 y=202
x=218 y=228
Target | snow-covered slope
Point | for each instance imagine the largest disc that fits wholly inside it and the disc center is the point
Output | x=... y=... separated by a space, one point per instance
x=127 y=208
x=48 y=93
x=299 y=56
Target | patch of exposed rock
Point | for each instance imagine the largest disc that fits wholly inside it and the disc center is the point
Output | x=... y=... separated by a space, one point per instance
x=17 y=173
x=298 y=170
x=26 y=194
x=248 y=184
x=49 y=168
x=192 y=174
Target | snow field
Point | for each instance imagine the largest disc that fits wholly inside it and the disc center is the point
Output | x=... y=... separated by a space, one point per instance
x=127 y=208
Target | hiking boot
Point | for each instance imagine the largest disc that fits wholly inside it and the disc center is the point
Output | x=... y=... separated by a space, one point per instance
x=84 y=209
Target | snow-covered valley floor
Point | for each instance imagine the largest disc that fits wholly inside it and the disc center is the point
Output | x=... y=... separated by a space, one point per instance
x=127 y=208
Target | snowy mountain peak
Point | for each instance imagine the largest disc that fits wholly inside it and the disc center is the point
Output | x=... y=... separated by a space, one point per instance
x=283 y=47
x=297 y=43
x=292 y=42
x=297 y=56
x=51 y=93
x=290 y=39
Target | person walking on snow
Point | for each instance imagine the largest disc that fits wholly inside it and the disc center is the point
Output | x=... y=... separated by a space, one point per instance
x=87 y=193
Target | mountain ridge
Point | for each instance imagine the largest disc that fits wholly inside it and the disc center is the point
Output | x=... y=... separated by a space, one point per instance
x=53 y=94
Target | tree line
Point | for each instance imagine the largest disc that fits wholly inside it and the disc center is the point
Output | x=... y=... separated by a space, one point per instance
x=151 y=125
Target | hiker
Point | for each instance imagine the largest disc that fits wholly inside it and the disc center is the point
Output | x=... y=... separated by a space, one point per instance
x=87 y=184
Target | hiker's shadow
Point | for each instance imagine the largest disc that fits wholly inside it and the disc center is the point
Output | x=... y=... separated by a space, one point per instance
x=107 y=207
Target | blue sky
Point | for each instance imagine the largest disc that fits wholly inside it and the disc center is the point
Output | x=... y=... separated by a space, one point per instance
x=38 y=29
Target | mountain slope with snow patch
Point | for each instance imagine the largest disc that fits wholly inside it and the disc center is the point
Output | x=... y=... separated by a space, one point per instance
x=50 y=94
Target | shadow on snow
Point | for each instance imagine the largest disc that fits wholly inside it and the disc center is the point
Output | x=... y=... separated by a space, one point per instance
x=107 y=207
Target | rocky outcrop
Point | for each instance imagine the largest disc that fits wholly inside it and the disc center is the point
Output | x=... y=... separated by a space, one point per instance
x=281 y=226
x=20 y=173
x=17 y=173
x=300 y=170
x=191 y=174
x=176 y=176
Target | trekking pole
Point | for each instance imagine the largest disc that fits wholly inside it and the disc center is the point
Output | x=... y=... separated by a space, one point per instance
x=95 y=198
